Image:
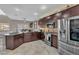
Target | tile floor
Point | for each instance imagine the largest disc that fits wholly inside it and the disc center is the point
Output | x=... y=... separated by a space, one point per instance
x=32 y=48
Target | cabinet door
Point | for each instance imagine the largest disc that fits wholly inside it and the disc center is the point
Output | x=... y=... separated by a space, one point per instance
x=54 y=41
x=18 y=42
x=34 y=36
x=9 y=42
x=37 y=36
x=27 y=37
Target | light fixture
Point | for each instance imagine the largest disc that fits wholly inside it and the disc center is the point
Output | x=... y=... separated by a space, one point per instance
x=48 y=17
x=17 y=9
x=43 y=7
x=66 y=15
x=35 y=13
x=2 y=12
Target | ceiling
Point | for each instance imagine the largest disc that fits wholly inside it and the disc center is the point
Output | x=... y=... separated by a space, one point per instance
x=28 y=12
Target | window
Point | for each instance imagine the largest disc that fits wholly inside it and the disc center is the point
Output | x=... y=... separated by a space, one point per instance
x=4 y=26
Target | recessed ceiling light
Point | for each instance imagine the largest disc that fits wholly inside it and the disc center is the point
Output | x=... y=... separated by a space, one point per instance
x=43 y=7
x=48 y=17
x=35 y=13
x=17 y=9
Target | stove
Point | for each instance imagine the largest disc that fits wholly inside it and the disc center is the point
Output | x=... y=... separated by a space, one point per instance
x=48 y=38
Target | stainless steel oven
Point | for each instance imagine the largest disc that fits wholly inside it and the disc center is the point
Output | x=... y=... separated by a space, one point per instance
x=73 y=30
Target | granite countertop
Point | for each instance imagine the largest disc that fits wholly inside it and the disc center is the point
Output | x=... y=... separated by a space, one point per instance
x=16 y=33
x=10 y=34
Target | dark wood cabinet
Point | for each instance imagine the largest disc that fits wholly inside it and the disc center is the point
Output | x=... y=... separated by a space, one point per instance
x=13 y=41
x=27 y=37
x=38 y=36
x=33 y=36
x=41 y=36
x=54 y=41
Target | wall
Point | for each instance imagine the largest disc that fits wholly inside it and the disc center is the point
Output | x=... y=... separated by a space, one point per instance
x=13 y=23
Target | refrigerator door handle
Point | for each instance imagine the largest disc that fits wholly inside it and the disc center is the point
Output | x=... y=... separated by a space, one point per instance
x=60 y=32
x=64 y=31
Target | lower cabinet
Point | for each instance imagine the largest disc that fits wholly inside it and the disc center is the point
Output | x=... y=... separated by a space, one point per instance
x=42 y=36
x=33 y=36
x=13 y=41
x=54 y=41
x=18 y=42
x=27 y=37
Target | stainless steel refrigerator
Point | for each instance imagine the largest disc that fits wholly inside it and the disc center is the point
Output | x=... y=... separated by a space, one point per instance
x=68 y=35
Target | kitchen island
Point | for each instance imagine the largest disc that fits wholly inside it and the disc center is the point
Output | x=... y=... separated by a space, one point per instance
x=15 y=40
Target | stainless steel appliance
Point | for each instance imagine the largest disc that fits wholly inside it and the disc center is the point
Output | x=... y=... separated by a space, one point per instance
x=48 y=38
x=62 y=30
x=73 y=30
x=68 y=30
x=68 y=35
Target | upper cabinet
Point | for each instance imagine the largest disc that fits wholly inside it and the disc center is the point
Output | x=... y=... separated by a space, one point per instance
x=73 y=11
x=69 y=12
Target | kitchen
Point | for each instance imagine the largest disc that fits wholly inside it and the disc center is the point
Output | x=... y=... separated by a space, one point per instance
x=47 y=29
